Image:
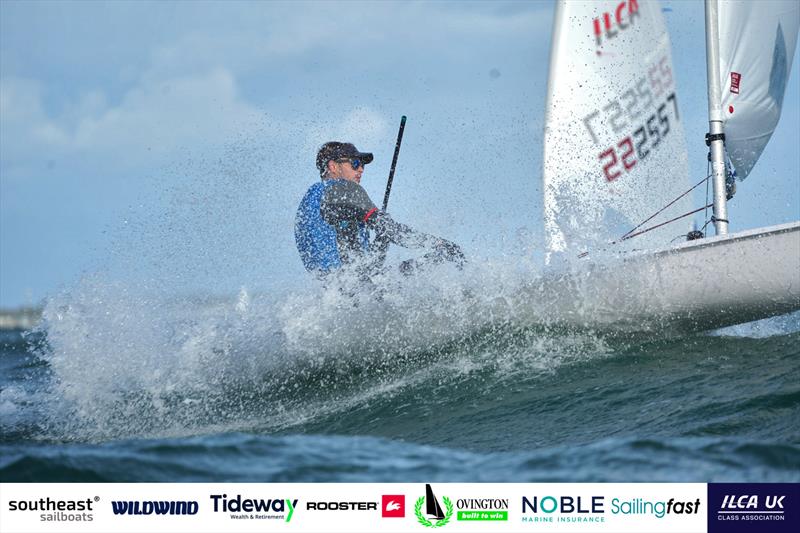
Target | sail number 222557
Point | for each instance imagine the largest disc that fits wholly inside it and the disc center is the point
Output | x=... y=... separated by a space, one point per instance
x=633 y=148
x=623 y=116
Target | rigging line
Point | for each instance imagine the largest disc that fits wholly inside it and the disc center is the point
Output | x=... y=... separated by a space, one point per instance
x=705 y=213
x=663 y=223
x=584 y=254
x=628 y=235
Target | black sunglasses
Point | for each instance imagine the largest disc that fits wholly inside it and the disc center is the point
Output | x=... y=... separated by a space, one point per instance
x=355 y=163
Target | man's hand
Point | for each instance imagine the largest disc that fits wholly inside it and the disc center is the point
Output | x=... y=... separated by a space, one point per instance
x=442 y=251
x=450 y=251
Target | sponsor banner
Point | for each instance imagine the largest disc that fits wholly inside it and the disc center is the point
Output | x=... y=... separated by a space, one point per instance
x=358 y=507
x=753 y=507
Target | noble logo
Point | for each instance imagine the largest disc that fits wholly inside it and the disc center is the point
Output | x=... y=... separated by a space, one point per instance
x=50 y=510
x=393 y=505
x=433 y=509
x=563 y=509
x=586 y=509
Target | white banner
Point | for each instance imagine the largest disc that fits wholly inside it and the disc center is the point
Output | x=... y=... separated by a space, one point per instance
x=353 y=507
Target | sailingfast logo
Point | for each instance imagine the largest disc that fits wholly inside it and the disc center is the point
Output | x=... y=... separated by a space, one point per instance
x=609 y=24
x=57 y=510
x=254 y=508
x=656 y=508
x=433 y=516
x=155 y=507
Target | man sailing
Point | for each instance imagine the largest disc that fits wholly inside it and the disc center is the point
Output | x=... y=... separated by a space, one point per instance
x=335 y=217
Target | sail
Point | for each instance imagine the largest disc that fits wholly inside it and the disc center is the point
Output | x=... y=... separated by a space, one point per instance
x=614 y=147
x=432 y=507
x=756 y=47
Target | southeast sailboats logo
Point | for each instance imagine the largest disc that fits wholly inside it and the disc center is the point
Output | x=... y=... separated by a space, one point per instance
x=433 y=509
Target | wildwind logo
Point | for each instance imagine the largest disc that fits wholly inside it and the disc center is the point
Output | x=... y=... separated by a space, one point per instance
x=433 y=509
x=155 y=507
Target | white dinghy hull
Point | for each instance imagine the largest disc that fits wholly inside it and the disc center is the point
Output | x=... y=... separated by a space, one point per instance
x=695 y=286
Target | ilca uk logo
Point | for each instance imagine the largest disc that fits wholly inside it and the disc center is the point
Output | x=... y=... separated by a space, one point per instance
x=751 y=507
x=436 y=516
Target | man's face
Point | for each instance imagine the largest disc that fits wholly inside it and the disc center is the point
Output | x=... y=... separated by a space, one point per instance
x=343 y=169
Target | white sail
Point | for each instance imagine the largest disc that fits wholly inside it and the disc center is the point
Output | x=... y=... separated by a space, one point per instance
x=614 y=147
x=756 y=47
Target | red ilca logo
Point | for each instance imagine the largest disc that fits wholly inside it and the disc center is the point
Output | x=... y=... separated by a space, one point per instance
x=735 y=79
x=615 y=21
x=393 y=505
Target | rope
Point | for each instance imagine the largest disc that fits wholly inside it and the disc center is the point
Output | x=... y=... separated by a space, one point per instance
x=705 y=213
x=631 y=233
x=628 y=235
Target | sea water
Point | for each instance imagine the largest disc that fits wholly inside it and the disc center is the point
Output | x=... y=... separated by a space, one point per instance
x=444 y=378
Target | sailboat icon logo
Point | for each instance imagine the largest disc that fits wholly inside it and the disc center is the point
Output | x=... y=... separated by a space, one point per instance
x=436 y=517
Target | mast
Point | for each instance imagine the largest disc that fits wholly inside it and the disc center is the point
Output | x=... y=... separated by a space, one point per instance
x=716 y=136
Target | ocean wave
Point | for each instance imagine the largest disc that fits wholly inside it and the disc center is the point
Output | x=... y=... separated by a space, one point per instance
x=321 y=458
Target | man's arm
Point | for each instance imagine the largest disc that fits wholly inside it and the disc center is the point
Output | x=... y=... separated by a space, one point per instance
x=348 y=201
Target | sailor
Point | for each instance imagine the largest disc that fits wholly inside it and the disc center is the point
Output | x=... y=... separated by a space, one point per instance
x=335 y=218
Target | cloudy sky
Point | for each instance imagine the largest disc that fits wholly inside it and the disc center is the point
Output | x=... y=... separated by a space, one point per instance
x=172 y=140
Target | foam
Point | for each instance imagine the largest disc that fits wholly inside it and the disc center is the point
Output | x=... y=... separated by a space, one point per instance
x=128 y=362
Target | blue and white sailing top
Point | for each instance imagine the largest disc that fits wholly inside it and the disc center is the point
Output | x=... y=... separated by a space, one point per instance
x=332 y=223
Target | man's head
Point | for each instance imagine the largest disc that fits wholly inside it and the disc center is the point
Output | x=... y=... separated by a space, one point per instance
x=342 y=160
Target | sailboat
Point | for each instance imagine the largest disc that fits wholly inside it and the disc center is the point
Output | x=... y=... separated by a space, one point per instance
x=432 y=507
x=615 y=159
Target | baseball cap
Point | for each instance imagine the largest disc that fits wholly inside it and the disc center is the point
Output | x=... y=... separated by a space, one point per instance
x=338 y=150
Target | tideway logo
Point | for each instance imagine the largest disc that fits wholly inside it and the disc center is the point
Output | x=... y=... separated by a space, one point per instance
x=57 y=510
x=436 y=517
x=482 y=509
x=254 y=509
x=155 y=507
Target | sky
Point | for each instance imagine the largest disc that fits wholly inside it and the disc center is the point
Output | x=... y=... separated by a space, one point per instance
x=168 y=143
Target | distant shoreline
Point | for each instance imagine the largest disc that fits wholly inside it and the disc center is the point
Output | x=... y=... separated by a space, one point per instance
x=21 y=318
